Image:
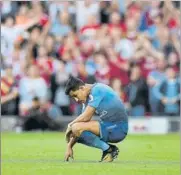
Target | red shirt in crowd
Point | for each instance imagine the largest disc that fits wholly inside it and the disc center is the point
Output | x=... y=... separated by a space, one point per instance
x=89 y=29
x=172 y=23
x=121 y=26
x=103 y=75
x=146 y=65
x=46 y=69
x=117 y=72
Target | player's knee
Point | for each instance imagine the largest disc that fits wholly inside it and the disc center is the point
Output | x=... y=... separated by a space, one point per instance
x=77 y=129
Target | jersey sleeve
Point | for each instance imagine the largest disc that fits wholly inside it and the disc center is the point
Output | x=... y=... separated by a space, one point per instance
x=96 y=97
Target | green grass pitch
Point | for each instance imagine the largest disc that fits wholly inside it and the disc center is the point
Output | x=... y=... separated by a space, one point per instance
x=43 y=153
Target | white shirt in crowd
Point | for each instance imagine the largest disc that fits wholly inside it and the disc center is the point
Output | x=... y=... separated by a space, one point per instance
x=30 y=88
x=8 y=37
x=82 y=12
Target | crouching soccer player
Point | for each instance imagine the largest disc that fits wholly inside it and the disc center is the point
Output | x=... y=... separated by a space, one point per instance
x=112 y=127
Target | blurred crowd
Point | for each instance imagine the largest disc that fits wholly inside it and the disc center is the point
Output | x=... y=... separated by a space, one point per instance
x=132 y=46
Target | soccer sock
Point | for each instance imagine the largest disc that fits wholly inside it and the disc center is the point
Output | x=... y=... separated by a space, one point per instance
x=90 y=139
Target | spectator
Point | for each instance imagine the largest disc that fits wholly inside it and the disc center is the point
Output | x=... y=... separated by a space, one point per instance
x=97 y=41
x=8 y=7
x=59 y=6
x=22 y=17
x=58 y=96
x=69 y=43
x=18 y=58
x=54 y=8
x=158 y=32
x=173 y=61
x=125 y=46
x=52 y=110
x=34 y=86
x=33 y=43
x=88 y=31
x=90 y=67
x=137 y=92
x=10 y=32
x=45 y=64
x=50 y=44
x=117 y=86
x=155 y=78
x=63 y=23
x=9 y=93
x=116 y=22
x=86 y=49
x=102 y=70
x=85 y=9
x=150 y=9
x=38 y=10
x=118 y=68
x=37 y=118
x=168 y=92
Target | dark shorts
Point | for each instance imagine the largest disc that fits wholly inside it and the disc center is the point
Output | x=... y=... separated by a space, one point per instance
x=113 y=132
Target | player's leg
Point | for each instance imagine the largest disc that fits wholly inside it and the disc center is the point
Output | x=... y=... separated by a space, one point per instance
x=107 y=131
x=88 y=133
x=92 y=126
x=113 y=133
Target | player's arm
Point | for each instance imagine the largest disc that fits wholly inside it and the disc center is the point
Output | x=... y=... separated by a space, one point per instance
x=85 y=116
x=72 y=142
x=95 y=99
x=69 y=150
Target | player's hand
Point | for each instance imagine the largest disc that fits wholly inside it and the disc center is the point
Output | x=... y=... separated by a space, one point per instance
x=69 y=154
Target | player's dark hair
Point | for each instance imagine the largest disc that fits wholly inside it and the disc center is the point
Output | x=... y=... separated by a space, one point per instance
x=73 y=84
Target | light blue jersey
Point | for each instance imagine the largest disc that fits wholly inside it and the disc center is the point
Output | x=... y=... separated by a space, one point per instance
x=107 y=103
